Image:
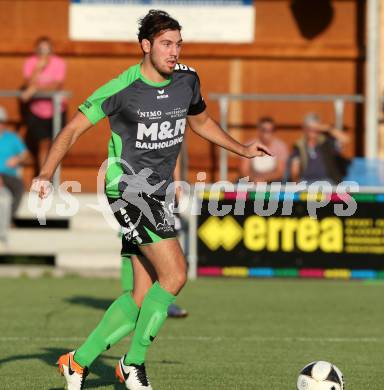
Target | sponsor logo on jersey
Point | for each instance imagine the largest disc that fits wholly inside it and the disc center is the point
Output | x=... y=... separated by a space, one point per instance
x=161 y=94
x=160 y=135
x=177 y=113
x=151 y=115
x=161 y=131
x=159 y=145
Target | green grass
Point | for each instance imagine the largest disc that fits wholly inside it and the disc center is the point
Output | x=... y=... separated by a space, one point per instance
x=241 y=334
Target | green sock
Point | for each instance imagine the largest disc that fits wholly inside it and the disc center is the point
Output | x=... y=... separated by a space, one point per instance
x=152 y=316
x=126 y=274
x=118 y=321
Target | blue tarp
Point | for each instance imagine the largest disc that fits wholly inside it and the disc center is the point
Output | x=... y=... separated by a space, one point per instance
x=366 y=172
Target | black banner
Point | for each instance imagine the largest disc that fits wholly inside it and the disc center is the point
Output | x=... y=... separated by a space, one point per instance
x=297 y=240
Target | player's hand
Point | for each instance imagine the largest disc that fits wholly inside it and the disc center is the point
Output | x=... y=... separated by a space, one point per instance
x=13 y=162
x=42 y=186
x=256 y=150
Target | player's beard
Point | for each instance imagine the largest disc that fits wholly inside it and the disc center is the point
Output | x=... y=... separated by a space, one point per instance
x=163 y=72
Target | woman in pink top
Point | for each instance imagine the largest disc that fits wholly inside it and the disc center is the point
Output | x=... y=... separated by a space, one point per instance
x=43 y=72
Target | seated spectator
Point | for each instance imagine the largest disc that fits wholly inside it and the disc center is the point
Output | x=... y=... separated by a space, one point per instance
x=266 y=169
x=317 y=155
x=12 y=154
x=43 y=72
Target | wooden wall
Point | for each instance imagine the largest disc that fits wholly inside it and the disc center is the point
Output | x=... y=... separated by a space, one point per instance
x=281 y=60
x=381 y=90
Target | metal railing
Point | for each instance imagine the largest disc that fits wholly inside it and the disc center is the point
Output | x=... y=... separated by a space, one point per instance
x=57 y=98
x=225 y=98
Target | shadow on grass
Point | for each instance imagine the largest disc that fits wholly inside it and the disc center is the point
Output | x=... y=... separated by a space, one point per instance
x=103 y=304
x=95 y=303
x=102 y=369
x=105 y=372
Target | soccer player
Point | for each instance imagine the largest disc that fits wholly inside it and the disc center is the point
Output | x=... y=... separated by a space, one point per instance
x=147 y=106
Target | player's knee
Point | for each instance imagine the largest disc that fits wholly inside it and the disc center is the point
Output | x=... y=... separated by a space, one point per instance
x=180 y=279
x=173 y=282
x=181 y=275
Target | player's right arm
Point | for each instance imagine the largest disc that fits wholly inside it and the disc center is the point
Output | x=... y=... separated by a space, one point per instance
x=63 y=142
x=103 y=102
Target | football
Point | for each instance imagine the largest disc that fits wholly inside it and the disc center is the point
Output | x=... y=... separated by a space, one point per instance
x=320 y=376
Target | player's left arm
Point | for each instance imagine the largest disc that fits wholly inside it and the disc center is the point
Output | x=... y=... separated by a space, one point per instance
x=203 y=125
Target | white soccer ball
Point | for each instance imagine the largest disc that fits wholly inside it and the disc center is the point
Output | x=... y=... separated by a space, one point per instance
x=320 y=376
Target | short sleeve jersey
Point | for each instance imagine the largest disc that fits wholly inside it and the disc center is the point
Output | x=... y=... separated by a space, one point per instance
x=148 y=122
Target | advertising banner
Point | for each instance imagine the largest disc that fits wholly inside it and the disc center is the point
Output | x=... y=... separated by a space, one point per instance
x=231 y=21
x=293 y=244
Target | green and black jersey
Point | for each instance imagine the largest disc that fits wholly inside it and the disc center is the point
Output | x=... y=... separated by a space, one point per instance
x=148 y=122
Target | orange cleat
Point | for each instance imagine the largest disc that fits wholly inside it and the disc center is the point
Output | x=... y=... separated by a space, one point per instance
x=73 y=373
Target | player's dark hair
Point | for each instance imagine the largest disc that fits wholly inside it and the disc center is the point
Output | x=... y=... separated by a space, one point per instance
x=265 y=119
x=154 y=23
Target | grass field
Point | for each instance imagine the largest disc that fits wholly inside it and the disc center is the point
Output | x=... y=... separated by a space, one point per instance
x=241 y=334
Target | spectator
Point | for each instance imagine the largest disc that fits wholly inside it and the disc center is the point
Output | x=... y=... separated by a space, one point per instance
x=12 y=155
x=43 y=72
x=266 y=169
x=317 y=155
